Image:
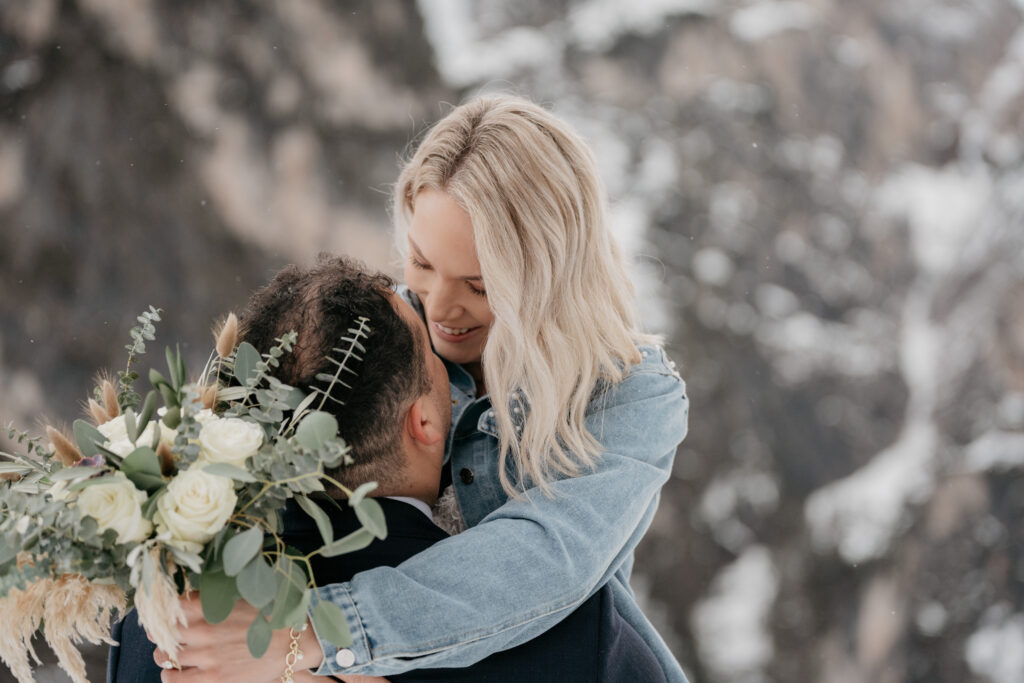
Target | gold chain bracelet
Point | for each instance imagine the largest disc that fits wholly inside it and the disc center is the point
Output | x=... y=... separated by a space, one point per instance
x=293 y=656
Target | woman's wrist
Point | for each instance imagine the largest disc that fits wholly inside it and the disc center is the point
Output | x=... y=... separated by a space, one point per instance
x=309 y=645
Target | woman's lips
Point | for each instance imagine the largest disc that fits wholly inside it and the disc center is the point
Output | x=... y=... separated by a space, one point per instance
x=446 y=333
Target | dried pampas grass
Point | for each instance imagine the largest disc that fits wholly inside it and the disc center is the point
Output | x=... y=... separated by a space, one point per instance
x=71 y=609
x=78 y=610
x=20 y=613
x=160 y=611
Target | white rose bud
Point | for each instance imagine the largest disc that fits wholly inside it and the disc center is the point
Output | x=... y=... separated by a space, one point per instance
x=229 y=440
x=117 y=506
x=194 y=508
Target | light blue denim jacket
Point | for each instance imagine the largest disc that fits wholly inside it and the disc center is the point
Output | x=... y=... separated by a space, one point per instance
x=522 y=565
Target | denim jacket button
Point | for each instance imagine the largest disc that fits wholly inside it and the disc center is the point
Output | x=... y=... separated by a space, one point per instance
x=466 y=475
x=345 y=658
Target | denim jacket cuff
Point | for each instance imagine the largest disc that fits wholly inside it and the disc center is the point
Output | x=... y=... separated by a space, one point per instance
x=357 y=654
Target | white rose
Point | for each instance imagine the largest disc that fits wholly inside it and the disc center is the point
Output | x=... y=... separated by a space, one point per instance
x=229 y=440
x=117 y=435
x=205 y=416
x=117 y=506
x=194 y=508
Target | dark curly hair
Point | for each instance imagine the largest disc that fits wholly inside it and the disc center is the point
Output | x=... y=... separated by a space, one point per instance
x=320 y=304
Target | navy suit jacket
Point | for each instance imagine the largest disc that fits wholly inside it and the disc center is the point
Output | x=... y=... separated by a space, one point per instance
x=592 y=644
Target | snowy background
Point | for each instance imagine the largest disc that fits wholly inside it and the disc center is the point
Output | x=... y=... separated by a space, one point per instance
x=824 y=202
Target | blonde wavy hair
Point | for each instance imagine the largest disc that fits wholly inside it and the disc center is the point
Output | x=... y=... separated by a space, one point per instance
x=564 y=315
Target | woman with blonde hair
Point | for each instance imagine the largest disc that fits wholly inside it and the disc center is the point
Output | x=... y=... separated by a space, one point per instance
x=565 y=416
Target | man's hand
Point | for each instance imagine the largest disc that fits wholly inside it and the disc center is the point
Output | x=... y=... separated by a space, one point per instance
x=219 y=653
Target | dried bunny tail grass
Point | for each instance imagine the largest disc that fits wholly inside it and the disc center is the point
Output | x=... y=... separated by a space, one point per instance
x=208 y=396
x=10 y=476
x=20 y=613
x=227 y=337
x=78 y=610
x=160 y=611
x=96 y=412
x=66 y=450
x=110 y=403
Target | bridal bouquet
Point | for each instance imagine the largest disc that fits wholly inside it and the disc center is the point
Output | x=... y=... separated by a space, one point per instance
x=177 y=491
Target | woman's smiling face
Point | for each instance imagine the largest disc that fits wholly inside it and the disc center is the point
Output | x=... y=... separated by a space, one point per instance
x=444 y=271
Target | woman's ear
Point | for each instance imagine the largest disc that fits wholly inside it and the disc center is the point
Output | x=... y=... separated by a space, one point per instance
x=421 y=423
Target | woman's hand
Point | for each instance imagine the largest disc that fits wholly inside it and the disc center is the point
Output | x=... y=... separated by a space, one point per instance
x=219 y=654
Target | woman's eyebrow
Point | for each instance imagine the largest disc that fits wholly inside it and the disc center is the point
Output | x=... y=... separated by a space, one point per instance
x=419 y=253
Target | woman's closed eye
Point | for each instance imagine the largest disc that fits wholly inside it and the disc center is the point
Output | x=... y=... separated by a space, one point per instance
x=416 y=263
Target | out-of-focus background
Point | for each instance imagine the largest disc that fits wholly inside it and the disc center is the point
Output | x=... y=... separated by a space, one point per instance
x=824 y=200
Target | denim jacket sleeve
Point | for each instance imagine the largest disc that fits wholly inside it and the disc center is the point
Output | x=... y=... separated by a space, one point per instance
x=528 y=563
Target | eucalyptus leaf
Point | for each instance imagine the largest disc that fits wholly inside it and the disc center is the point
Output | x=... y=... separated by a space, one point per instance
x=230 y=471
x=323 y=522
x=156 y=379
x=316 y=429
x=148 y=408
x=241 y=549
x=149 y=507
x=257 y=638
x=330 y=624
x=130 y=425
x=295 y=398
x=246 y=360
x=360 y=493
x=288 y=597
x=297 y=617
x=371 y=514
x=357 y=540
x=13 y=468
x=142 y=466
x=217 y=595
x=7 y=552
x=256 y=582
x=69 y=473
x=87 y=436
x=95 y=481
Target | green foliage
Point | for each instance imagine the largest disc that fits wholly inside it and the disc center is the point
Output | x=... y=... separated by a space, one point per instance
x=217 y=594
x=258 y=637
x=140 y=334
x=330 y=623
x=241 y=549
x=347 y=355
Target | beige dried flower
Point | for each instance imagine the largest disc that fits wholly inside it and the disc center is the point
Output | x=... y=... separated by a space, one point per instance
x=78 y=610
x=98 y=414
x=20 y=612
x=110 y=399
x=160 y=611
x=66 y=450
x=227 y=337
x=208 y=396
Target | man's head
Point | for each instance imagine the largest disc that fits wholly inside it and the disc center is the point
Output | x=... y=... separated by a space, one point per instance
x=396 y=409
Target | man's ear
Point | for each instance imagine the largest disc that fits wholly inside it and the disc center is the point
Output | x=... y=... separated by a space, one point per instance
x=421 y=423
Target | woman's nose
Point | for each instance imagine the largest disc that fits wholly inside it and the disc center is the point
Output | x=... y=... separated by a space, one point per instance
x=442 y=304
